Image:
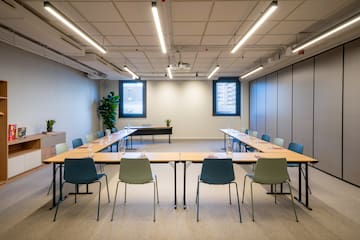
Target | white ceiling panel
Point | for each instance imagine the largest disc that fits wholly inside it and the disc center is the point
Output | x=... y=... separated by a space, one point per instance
x=98 y=11
x=256 y=54
x=187 y=40
x=112 y=28
x=283 y=10
x=231 y=10
x=216 y=40
x=122 y=40
x=188 y=28
x=277 y=39
x=135 y=11
x=208 y=54
x=221 y=28
x=143 y=28
x=191 y=10
x=263 y=29
x=291 y=27
x=156 y=54
x=88 y=28
x=134 y=54
x=148 y=40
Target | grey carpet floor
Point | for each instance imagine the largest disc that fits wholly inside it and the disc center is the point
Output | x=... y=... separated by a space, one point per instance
x=25 y=214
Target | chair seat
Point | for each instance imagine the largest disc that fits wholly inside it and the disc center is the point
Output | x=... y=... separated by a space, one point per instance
x=293 y=165
x=100 y=175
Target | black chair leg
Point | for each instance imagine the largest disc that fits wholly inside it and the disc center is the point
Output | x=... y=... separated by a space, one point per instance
x=58 y=204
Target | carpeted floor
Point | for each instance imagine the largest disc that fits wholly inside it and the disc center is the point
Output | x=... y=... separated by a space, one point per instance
x=25 y=214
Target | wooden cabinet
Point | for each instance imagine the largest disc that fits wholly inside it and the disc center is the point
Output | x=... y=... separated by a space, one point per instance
x=48 y=142
x=3 y=131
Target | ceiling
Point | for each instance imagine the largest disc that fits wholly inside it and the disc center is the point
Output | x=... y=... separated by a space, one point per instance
x=200 y=33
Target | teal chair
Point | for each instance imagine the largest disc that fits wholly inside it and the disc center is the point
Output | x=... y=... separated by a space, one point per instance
x=264 y=137
x=278 y=141
x=59 y=148
x=77 y=142
x=89 y=138
x=217 y=171
x=136 y=171
x=100 y=134
x=269 y=171
x=82 y=171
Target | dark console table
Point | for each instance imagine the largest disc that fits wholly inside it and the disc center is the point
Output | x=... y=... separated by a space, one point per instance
x=150 y=130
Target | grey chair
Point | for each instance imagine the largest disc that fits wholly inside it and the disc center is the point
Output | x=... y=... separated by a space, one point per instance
x=269 y=171
x=136 y=171
x=59 y=148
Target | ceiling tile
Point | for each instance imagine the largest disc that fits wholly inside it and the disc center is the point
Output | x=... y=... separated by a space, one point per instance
x=143 y=60
x=88 y=28
x=135 y=54
x=263 y=29
x=135 y=11
x=190 y=11
x=156 y=54
x=143 y=28
x=221 y=28
x=216 y=40
x=148 y=40
x=188 y=28
x=231 y=10
x=257 y=54
x=277 y=39
x=208 y=54
x=283 y=10
x=226 y=61
x=114 y=28
x=291 y=27
x=122 y=40
x=187 y=40
x=98 y=11
x=319 y=9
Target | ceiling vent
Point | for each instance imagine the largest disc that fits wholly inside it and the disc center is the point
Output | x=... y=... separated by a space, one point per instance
x=181 y=67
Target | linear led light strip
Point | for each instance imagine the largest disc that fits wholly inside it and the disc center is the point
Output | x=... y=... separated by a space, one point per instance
x=269 y=10
x=252 y=72
x=326 y=34
x=56 y=13
x=213 y=71
x=134 y=76
x=168 y=69
x=158 y=26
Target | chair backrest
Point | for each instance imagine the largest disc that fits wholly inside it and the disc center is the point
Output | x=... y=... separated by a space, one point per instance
x=135 y=170
x=100 y=134
x=278 y=141
x=77 y=142
x=60 y=148
x=271 y=171
x=217 y=171
x=243 y=130
x=246 y=131
x=254 y=133
x=114 y=130
x=89 y=138
x=296 y=147
x=80 y=170
x=265 y=137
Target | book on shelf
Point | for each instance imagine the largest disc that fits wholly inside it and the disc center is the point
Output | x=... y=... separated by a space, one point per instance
x=12 y=132
x=21 y=132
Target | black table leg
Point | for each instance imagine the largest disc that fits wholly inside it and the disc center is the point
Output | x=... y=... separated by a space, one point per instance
x=54 y=186
x=300 y=180
x=307 y=186
x=169 y=139
x=184 y=194
x=175 y=197
x=60 y=181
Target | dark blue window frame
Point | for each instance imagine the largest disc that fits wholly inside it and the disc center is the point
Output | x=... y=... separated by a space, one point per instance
x=121 y=102
x=237 y=95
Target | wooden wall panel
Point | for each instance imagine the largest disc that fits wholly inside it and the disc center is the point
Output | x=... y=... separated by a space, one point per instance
x=303 y=83
x=328 y=111
x=351 y=161
x=271 y=105
x=284 y=94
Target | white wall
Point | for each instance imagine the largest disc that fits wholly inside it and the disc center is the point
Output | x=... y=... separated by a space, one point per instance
x=187 y=103
x=40 y=89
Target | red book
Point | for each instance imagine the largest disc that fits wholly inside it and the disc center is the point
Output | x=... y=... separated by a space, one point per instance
x=12 y=132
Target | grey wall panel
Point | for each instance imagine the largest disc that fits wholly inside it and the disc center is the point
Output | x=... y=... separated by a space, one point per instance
x=328 y=111
x=284 y=122
x=351 y=160
x=303 y=80
x=252 y=109
x=260 y=106
x=271 y=105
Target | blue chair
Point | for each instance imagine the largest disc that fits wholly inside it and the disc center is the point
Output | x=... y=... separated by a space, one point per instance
x=82 y=171
x=77 y=142
x=114 y=130
x=265 y=137
x=269 y=171
x=298 y=148
x=100 y=134
x=217 y=171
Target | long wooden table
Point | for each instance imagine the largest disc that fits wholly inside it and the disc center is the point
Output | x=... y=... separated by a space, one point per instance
x=267 y=149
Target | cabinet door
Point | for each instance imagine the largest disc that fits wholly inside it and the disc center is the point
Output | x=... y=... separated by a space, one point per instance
x=32 y=159
x=15 y=165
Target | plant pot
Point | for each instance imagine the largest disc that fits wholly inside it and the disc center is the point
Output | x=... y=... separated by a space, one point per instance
x=49 y=129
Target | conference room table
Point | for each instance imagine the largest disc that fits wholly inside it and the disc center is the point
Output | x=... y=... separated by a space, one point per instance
x=267 y=149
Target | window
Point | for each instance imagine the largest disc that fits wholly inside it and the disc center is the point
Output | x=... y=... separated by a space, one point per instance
x=226 y=97
x=132 y=99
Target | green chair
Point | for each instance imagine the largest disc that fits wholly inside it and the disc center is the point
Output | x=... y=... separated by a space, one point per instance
x=59 y=148
x=217 y=171
x=89 y=138
x=82 y=171
x=136 y=171
x=278 y=141
x=269 y=171
x=77 y=142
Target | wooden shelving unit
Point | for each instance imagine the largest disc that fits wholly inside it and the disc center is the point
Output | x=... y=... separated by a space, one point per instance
x=3 y=131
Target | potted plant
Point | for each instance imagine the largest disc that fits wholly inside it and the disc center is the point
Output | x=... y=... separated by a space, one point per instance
x=49 y=125
x=107 y=110
x=168 y=121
